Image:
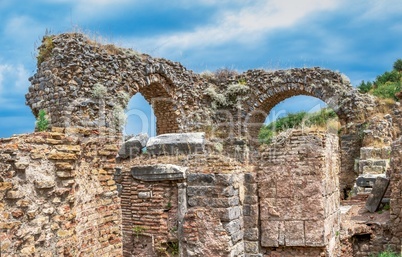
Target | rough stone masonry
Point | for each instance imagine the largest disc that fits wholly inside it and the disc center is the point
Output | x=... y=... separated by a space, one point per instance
x=63 y=192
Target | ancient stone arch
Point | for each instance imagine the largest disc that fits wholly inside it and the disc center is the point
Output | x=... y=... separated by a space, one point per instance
x=270 y=88
x=65 y=81
x=64 y=85
x=268 y=205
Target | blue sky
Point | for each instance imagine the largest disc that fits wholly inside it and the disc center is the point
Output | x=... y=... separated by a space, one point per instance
x=360 y=38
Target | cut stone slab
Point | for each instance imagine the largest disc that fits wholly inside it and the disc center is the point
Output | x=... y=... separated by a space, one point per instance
x=345 y=208
x=176 y=143
x=379 y=189
x=133 y=146
x=158 y=172
x=368 y=180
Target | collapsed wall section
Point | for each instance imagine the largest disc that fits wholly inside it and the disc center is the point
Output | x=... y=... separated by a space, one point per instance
x=57 y=196
x=298 y=189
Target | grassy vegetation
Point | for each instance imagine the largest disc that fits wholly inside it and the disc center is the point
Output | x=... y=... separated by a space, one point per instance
x=45 y=50
x=296 y=120
x=387 y=253
x=386 y=85
x=42 y=123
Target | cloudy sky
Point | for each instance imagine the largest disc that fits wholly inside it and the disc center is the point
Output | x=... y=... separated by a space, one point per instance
x=360 y=38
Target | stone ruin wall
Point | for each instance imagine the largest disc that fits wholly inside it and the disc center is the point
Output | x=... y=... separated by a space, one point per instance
x=298 y=188
x=229 y=208
x=57 y=195
x=64 y=85
x=79 y=193
x=202 y=213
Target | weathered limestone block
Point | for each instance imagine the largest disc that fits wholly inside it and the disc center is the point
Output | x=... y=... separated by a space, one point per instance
x=204 y=234
x=379 y=189
x=14 y=194
x=367 y=180
x=44 y=184
x=158 y=172
x=270 y=233
x=294 y=233
x=59 y=155
x=133 y=146
x=5 y=186
x=375 y=153
x=176 y=143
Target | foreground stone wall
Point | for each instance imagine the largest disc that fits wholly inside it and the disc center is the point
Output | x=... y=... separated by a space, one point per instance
x=396 y=194
x=57 y=196
x=298 y=188
x=201 y=212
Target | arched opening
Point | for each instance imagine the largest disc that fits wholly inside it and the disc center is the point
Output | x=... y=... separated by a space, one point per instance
x=140 y=117
x=151 y=110
x=299 y=112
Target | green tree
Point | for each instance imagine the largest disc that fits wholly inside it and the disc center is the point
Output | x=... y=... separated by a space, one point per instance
x=42 y=123
x=365 y=87
x=398 y=65
x=385 y=85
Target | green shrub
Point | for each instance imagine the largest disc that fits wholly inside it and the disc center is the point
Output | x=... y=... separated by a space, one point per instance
x=99 y=90
x=119 y=117
x=398 y=65
x=365 y=87
x=45 y=50
x=295 y=120
x=42 y=123
x=385 y=85
x=388 y=253
x=387 y=90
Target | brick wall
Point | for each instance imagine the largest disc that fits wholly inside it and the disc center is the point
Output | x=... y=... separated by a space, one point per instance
x=56 y=195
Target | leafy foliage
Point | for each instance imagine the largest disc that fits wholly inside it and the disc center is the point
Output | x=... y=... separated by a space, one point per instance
x=295 y=120
x=386 y=85
x=398 y=65
x=45 y=50
x=42 y=123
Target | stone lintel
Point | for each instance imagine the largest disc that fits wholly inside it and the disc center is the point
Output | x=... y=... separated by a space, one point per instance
x=158 y=172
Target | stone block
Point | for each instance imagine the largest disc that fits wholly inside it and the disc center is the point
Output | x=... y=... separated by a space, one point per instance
x=44 y=184
x=225 y=179
x=14 y=195
x=5 y=186
x=144 y=195
x=367 y=180
x=158 y=172
x=251 y=247
x=270 y=233
x=249 y=178
x=294 y=233
x=224 y=202
x=176 y=143
x=228 y=214
x=198 y=179
x=379 y=189
x=251 y=234
x=315 y=233
x=133 y=146
x=201 y=191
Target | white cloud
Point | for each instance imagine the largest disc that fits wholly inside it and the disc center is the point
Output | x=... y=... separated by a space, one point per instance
x=247 y=24
x=13 y=80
